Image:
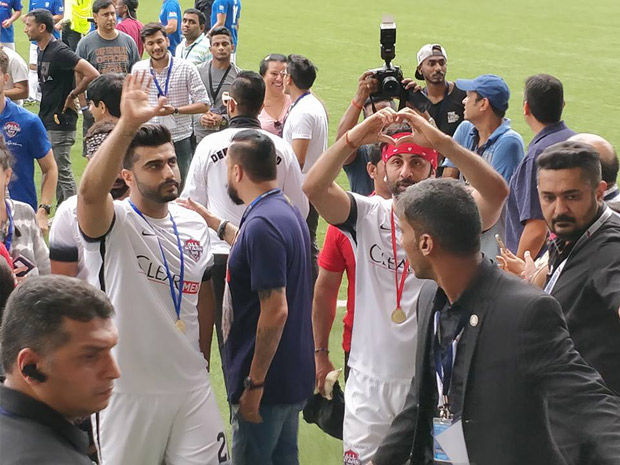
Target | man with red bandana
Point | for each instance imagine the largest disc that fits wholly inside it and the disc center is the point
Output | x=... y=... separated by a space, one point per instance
x=384 y=335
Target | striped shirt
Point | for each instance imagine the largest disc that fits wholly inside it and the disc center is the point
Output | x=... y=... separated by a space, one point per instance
x=185 y=87
x=27 y=241
x=196 y=53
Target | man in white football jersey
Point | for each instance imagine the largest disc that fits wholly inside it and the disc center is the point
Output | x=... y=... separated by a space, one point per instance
x=206 y=179
x=152 y=257
x=384 y=335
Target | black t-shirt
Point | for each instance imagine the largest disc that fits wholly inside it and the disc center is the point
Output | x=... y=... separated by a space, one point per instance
x=448 y=113
x=589 y=291
x=55 y=69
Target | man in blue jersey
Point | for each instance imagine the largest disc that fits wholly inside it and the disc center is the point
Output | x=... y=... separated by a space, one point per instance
x=10 y=10
x=57 y=9
x=226 y=13
x=170 y=17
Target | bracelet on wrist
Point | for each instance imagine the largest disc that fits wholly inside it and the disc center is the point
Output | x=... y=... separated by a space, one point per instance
x=321 y=349
x=348 y=141
x=221 y=230
x=356 y=105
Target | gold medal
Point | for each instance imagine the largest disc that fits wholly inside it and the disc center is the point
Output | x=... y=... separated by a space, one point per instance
x=398 y=316
x=181 y=325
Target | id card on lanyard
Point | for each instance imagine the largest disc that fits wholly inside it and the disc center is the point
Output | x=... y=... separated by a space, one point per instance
x=448 y=437
x=607 y=213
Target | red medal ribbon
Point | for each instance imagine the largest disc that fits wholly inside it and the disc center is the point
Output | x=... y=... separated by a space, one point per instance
x=399 y=286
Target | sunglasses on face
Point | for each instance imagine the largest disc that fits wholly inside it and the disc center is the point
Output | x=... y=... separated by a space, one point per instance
x=227 y=98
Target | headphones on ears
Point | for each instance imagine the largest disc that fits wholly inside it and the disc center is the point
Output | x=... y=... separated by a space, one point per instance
x=33 y=372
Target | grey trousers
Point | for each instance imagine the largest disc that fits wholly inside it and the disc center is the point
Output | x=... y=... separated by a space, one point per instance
x=62 y=141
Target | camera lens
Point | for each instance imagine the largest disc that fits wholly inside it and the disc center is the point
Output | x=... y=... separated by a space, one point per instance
x=391 y=86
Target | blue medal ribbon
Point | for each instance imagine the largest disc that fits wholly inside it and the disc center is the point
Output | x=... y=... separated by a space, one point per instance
x=8 y=240
x=163 y=93
x=176 y=300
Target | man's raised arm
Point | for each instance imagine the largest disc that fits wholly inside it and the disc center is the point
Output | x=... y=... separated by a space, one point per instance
x=330 y=200
x=95 y=206
x=490 y=189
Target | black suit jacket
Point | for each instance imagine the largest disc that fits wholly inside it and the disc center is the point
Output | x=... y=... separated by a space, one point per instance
x=517 y=356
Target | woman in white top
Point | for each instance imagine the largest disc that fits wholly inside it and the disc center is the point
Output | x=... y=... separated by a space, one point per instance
x=276 y=103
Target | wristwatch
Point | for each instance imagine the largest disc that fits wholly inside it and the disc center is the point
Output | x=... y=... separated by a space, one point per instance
x=46 y=207
x=251 y=385
x=176 y=111
x=221 y=230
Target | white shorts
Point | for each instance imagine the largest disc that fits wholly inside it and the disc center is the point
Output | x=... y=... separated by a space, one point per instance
x=32 y=58
x=370 y=406
x=150 y=429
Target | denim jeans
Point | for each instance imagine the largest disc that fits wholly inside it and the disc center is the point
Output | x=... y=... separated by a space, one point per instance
x=62 y=141
x=87 y=123
x=272 y=442
x=70 y=37
x=183 y=149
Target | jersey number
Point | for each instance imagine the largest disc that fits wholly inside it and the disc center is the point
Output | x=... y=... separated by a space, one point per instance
x=222 y=453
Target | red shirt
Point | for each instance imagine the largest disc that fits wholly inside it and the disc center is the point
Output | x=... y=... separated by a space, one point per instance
x=337 y=256
x=132 y=27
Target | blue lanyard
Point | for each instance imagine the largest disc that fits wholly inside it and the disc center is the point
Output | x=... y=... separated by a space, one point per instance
x=288 y=112
x=8 y=240
x=444 y=362
x=176 y=300
x=163 y=93
x=255 y=201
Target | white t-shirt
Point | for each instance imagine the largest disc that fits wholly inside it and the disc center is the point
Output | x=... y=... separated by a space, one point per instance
x=18 y=70
x=307 y=120
x=206 y=181
x=153 y=354
x=380 y=348
x=65 y=238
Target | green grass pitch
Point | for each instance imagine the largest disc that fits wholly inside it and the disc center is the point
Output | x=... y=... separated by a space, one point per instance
x=577 y=42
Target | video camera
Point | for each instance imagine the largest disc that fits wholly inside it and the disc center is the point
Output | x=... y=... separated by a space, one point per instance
x=390 y=76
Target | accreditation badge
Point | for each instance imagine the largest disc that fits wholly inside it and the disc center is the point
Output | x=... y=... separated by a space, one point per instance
x=449 y=442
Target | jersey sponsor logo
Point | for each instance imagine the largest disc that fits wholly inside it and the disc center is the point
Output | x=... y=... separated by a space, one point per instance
x=157 y=273
x=453 y=117
x=384 y=259
x=11 y=129
x=193 y=248
x=351 y=458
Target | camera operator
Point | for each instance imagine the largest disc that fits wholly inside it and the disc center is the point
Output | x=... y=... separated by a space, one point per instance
x=446 y=99
x=355 y=166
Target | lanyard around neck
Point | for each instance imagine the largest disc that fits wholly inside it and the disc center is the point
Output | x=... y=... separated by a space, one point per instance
x=176 y=299
x=215 y=93
x=255 y=202
x=607 y=213
x=8 y=240
x=400 y=287
x=160 y=92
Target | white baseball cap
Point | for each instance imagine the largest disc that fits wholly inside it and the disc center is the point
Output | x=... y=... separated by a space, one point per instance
x=428 y=51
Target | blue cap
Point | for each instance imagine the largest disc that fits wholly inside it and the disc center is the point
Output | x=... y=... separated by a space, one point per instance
x=488 y=86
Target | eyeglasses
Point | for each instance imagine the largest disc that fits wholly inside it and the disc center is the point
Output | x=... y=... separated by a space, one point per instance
x=227 y=98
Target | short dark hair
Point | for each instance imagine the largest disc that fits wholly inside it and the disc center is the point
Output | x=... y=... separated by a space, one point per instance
x=264 y=63
x=444 y=209
x=248 y=90
x=42 y=16
x=101 y=4
x=34 y=314
x=569 y=155
x=374 y=154
x=610 y=168
x=107 y=88
x=301 y=70
x=4 y=62
x=149 y=135
x=6 y=157
x=202 y=19
x=220 y=31
x=150 y=29
x=544 y=95
x=256 y=153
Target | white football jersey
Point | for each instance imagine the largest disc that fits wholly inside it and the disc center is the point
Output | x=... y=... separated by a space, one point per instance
x=206 y=181
x=153 y=354
x=65 y=239
x=380 y=348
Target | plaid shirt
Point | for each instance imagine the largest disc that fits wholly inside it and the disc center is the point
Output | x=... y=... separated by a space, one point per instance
x=185 y=87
